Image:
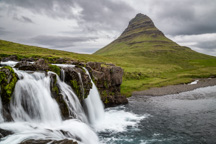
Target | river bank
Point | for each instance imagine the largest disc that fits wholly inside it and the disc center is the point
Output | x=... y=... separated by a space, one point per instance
x=176 y=89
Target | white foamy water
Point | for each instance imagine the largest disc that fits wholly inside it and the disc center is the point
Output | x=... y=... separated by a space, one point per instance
x=37 y=115
x=70 y=98
x=31 y=95
x=94 y=105
x=64 y=65
x=117 y=120
x=9 y=63
x=1 y=116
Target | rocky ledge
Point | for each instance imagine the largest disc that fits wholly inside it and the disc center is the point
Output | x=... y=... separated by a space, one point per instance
x=107 y=78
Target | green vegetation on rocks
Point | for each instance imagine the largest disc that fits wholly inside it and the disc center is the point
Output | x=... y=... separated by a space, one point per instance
x=8 y=79
x=55 y=69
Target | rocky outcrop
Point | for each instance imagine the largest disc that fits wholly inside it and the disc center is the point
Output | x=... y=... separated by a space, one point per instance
x=79 y=81
x=108 y=79
x=40 y=64
x=10 y=58
x=55 y=92
x=8 y=79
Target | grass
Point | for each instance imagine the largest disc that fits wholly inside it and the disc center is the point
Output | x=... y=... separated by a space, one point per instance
x=144 y=66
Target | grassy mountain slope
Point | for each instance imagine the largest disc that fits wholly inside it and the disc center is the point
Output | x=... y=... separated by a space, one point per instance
x=150 y=59
x=9 y=48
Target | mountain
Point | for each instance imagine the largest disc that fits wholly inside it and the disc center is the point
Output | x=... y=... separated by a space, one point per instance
x=142 y=38
x=150 y=59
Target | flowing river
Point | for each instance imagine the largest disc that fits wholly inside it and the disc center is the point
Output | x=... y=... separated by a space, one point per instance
x=185 y=118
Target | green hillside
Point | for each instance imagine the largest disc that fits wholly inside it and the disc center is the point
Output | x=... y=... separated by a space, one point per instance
x=150 y=59
x=22 y=51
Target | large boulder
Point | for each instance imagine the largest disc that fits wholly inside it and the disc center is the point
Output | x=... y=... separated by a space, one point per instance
x=39 y=65
x=8 y=79
x=108 y=79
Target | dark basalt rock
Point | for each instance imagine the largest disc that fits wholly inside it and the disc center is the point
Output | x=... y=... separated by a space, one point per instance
x=4 y=133
x=39 y=65
x=10 y=58
x=66 y=141
x=55 y=92
x=80 y=86
x=108 y=79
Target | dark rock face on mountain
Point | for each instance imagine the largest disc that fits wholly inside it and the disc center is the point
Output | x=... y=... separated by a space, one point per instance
x=108 y=79
x=140 y=25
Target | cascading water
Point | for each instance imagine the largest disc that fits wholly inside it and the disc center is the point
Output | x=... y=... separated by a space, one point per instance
x=95 y=108
x=1 y=117
x=72 y=101
x=37 y=115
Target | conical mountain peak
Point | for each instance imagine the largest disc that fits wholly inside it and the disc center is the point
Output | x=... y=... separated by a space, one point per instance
x=140 y=25
x=140 y=36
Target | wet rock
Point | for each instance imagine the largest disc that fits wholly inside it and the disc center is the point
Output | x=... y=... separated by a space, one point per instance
x=10 y=58
x=55 y=92
x=65 y=141
x=80 y=86
x=60 y=61
x=8 y=79
x=4 y=133
x=108 y=79
x=25 y=65
x=41 y=64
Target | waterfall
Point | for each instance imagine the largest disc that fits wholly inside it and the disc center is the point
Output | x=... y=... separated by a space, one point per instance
x=37 y=115
x=94 y=105
x=32 y=100
x=1 y=116
x=62 y=75
x=72 y=101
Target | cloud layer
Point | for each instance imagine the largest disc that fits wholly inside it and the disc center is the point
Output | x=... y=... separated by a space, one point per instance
x=81 y=26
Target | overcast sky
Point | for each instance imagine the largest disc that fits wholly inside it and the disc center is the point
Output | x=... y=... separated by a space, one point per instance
x=85 y=26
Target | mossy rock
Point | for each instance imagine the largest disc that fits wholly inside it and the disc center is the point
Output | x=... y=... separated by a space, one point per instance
x=55 y=91
x=8 y=79
x=55 y=69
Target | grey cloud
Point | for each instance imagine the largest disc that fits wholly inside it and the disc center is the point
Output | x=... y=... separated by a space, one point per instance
x=207 y=44
x=22 y=19
x=3 y=31
x=185 y=17
x=95 y=15
x=59 y=41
